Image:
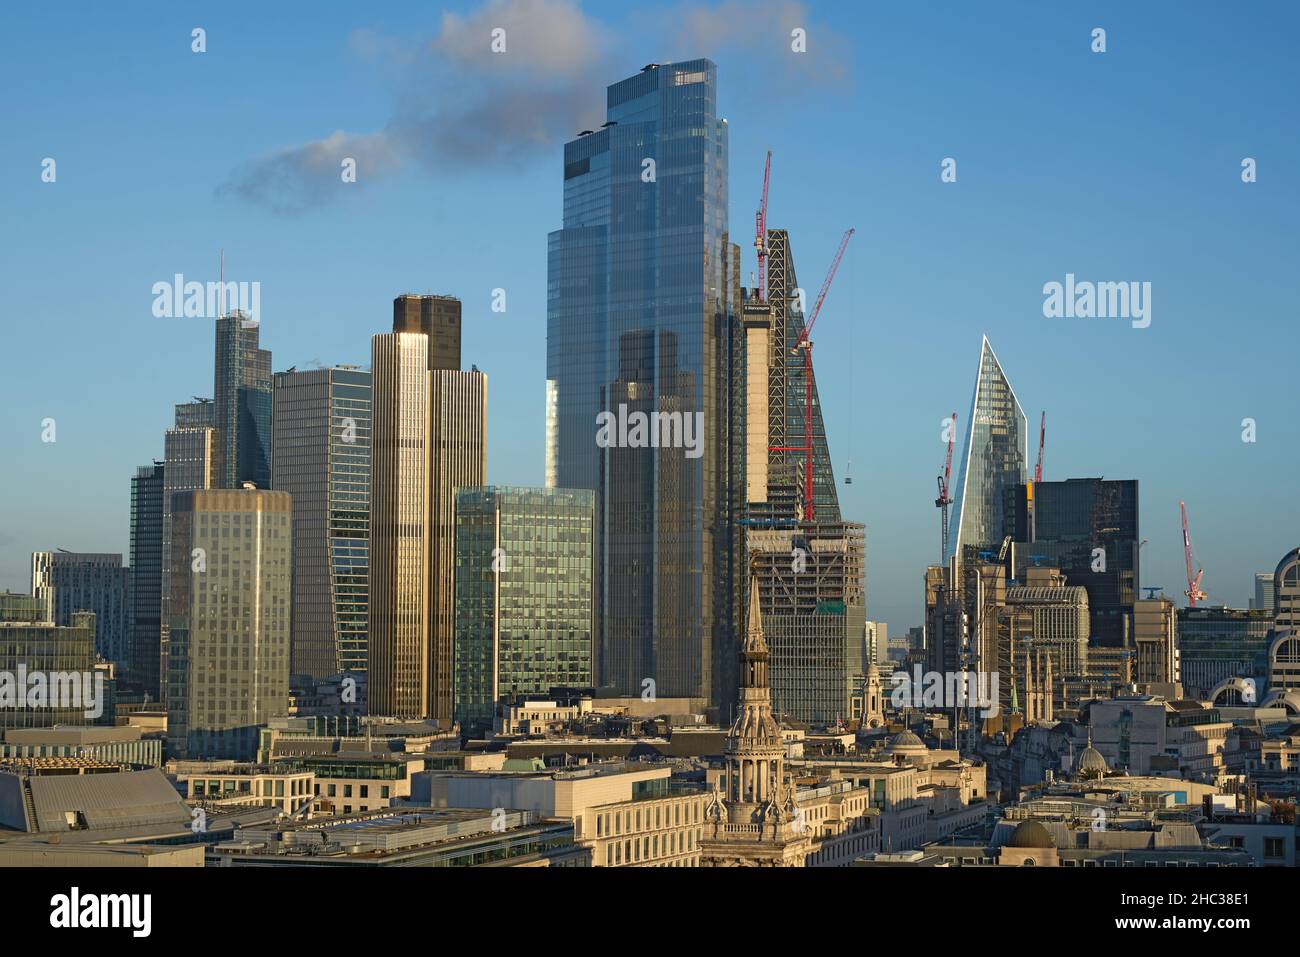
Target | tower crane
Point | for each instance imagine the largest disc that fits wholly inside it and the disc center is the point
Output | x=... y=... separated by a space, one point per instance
x=1042 y=440
x=760 y=233
x=944 y=499
x=805 y=345
x=1193 y=593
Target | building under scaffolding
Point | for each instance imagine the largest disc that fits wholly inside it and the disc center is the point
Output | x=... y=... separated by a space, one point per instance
x=811 y=575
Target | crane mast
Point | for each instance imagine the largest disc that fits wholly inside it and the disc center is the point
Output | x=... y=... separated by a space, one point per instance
x=1193 y=593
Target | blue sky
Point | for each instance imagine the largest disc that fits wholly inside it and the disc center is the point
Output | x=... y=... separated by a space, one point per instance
x=1117 y=166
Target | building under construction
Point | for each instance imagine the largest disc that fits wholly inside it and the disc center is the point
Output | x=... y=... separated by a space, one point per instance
x=810 y=563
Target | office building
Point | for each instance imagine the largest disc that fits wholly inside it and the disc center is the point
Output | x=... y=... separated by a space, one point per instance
x=524 y=597
x=1217 y=644
x=191 y=460
x=1155 y=639
x=993 y=457
x=1088 y=528
x=68 y=582
x=429 y=437
x=230 y=620
x=146 y=577
x=1263 y=598
x=242 y=403
x=1284 y=651
x=46 y=670
x=321 y=457
x=438 y=318
x=1058 y=617
x=643 y=291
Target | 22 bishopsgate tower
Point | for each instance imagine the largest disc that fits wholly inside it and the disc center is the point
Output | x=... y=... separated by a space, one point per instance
x=642 y=300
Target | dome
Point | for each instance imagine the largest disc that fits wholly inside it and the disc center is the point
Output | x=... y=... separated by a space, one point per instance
x=905 y=740
x=1031 y=834
x=1090 y=759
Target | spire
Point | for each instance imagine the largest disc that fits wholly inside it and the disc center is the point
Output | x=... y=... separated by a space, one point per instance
x=755 y=642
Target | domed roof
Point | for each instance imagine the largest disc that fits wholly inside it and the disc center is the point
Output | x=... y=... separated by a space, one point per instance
x=1031 y=834
x=1090 y=759
x=905 y=740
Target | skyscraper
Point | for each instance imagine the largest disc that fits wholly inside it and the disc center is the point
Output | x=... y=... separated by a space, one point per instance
x=1263 y=598
x=523 y=595
x=69 y=582
x=642 y=299
x=146 y=576
x=1088 y=528
x=229 y=639
x=242 y=395
x=993 y=458
x=321 y=457
x=191 y=457
x=32 y=645
x=429 y=437
x=438 y=317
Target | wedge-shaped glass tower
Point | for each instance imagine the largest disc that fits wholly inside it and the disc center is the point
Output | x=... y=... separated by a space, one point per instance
x=993 y=460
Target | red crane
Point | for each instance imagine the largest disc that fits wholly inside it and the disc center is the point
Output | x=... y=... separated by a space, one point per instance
x=1193 y=593
x=944 y=499
x=760 y=232
x=805 y=344
x=1042 y=440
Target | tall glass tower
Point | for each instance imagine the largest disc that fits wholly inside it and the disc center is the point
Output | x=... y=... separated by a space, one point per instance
x=994 y=457
x=642 y=293
x=242 y=390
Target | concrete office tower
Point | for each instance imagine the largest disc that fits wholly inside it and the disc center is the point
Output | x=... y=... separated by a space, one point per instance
x=230 y=623
x=1155 y=635
x=242 y=403
x=321 y=457
x=69 y=582
x=146 y=576
x=429 y=437
x=523 y=596
x=191 y=459
x=1217 y=645
x=1088 y=528
x=32 y=645
x=438 y=317
x=993 y=458
x=1263 y=598
x=643 y=299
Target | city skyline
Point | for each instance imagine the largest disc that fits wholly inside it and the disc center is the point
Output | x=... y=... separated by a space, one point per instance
x=878 y=343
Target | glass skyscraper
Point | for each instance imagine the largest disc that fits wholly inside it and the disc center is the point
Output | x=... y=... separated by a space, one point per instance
x=321 y=457
x=523 y=595
x=242 y=394
x=146 y=576
x=993 y=458
x=68 y=582
x=642 y=293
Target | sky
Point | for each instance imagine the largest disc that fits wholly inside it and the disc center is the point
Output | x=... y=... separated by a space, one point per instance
x=1122 y=165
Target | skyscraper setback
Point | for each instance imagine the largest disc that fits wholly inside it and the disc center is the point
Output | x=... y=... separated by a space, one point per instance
x=642 y=303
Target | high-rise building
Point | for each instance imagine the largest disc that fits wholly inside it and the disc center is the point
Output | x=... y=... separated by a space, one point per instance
x=438 y=317
x=523 y=595
x=993 y=459
x=1088 y=528
x=146 y=571
x=242 y=400
x=643 y=292
x=33 y=650
x=1059 y=620
x=321 y=457
x=230 y=620
x=1263 y=599
x=1284 y=651
x=69 y=582
x=429 y=437
x=191 y=459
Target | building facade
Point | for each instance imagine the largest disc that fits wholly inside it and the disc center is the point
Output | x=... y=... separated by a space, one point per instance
x=642 y=296
x=45 y=669
x=68 y=582
x=146 y=576
x=321 y=457
x=523 y=581
x=1217 y=644
x=230 y=620
x=242 y=403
